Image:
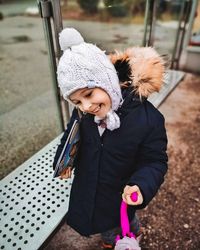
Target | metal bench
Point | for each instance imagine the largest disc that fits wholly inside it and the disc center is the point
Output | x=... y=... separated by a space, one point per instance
x=33 y=204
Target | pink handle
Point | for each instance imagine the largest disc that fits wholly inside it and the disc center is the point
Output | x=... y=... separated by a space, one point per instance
x=124 y=217
x=134 y=196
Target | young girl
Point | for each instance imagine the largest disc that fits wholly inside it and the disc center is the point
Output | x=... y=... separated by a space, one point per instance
x=123 y=137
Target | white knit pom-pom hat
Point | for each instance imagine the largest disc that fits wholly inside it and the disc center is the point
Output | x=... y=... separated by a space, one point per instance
x=85 y=65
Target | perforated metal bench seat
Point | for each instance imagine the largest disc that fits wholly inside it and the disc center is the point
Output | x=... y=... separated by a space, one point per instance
x=33 y=204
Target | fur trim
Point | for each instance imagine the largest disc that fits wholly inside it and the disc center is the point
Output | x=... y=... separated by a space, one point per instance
x=146 y=69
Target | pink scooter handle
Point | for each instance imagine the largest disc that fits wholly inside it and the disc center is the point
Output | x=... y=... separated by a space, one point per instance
x=125 y=226
x=134 y=196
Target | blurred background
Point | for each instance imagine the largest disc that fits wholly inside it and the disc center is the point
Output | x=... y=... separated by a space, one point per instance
x=29 y=118
x=32 y=113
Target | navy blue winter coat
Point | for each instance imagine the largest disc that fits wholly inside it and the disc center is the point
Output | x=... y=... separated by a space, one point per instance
x=134 y=154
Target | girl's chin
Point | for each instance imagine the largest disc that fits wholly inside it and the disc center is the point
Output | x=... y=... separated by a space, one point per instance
x=101 y=115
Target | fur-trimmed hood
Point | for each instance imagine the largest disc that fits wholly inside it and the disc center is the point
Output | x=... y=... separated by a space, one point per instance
x=143 y=67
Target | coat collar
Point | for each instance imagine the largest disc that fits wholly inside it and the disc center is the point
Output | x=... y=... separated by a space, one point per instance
x=131 y=101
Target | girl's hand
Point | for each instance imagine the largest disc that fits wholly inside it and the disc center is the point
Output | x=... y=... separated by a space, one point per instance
x=66 y=173
x=126 y=196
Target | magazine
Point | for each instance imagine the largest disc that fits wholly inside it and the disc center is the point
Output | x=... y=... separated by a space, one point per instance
x=69 y=151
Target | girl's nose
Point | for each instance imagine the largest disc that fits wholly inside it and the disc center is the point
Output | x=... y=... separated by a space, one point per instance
x=86 y=106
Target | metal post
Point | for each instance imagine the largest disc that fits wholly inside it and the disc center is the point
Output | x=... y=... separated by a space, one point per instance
x=153 y=22
x=58 y=26
x=187 y=14
x=146 y=19
x=190 y=22
x=149 y=21
x=50 y=10
x=188 y=9
x=173 y=60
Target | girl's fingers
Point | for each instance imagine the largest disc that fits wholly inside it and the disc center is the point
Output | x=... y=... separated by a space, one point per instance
x=138 y=202
x=126 y=196
x=130 y=189
x=66 y=173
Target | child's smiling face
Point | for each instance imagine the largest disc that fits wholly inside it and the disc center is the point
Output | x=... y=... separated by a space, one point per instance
x=95 y=101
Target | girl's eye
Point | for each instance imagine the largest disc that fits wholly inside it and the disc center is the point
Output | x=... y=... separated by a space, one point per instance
x=88 y=94
x=76 y=103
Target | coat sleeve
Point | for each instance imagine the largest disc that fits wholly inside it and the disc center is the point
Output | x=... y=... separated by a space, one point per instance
x=151 y=164
x=64 y=137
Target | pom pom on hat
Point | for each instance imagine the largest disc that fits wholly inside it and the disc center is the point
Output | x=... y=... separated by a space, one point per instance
x=69 y=37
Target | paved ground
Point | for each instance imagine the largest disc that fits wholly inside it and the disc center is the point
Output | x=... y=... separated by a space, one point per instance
x=27 y=108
